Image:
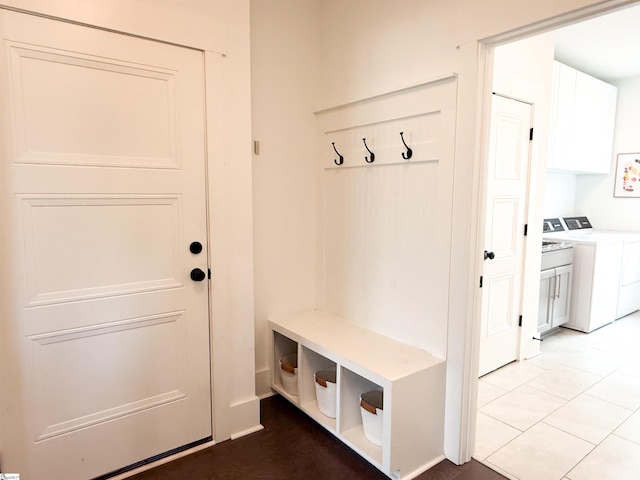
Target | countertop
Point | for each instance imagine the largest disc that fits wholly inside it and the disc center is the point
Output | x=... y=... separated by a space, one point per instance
x=549 y=246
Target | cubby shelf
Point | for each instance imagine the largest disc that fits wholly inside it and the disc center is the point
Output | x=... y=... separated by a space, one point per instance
x=412 y=381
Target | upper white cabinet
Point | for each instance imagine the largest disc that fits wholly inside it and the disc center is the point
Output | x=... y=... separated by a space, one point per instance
x=583 y=110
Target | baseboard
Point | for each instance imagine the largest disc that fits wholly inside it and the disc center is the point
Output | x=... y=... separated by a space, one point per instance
x=424 y=468
x=267 y=395
x=247 y=432
x=245 y=417
x=263 y=383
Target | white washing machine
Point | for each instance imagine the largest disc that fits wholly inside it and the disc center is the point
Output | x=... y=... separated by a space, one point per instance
x=629 y=289
x=597 y=270
x=629 y=295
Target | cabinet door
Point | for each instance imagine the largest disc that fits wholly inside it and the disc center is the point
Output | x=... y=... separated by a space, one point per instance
x=561 y=122
x=547 y=292
x=582 y=122
x=593 y=125
x=561 y=295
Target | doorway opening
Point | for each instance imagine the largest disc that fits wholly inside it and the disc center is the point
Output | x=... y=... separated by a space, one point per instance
x=539 y=208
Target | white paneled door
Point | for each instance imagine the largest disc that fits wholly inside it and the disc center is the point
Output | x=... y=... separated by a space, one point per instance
x=507 y=180
x=103 y=193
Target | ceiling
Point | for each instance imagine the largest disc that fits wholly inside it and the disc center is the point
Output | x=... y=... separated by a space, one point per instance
x=607 y=47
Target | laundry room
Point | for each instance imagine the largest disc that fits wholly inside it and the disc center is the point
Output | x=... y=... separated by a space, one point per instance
x=583 y=85
x=593 y=168
x=599 y=48
x=572 y=397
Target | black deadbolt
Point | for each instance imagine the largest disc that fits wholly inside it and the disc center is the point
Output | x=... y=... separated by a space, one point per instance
x=198 y=275
x=195 y=247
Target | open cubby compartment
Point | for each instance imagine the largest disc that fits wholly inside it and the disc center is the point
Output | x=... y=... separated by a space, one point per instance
x=352 y=386
x=309 y=363
x=283 y=346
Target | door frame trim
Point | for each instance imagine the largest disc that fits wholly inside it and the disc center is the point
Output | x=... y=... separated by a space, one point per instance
x=95 y=27
x=484 y=85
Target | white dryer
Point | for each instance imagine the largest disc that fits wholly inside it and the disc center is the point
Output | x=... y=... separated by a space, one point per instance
x=629 y=295
x=597 y=269
x=629 y=289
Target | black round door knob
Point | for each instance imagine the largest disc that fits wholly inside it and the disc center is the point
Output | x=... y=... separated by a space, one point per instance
x=489 y=255
x=198 y=275
x=195 y=247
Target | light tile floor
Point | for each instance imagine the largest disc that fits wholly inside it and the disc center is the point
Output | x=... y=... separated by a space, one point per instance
x=571 y=413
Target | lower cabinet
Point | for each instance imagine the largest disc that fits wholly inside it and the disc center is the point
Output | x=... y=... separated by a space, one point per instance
x=555 y=298
x=408 y=432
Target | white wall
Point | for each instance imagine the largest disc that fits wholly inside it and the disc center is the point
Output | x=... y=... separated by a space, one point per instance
x=372 y=46
x=594 y=193
x=560 y=195
x=195 y=23
x=284 y=69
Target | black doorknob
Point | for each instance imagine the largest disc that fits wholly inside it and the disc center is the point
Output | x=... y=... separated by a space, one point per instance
x=195 y=247
x=198 y=275
x=489 y=255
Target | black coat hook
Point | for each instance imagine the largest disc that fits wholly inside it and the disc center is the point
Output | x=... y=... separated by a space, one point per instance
x=409 y=152
x=373 y=155
x=340 y=160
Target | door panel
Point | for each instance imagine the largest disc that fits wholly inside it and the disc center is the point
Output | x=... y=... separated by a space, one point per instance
x=502 y=237
x=134 y=129
x=57 y=262
x=150 y=380
x=499 y=313
x=506 y=200
x=103 y=166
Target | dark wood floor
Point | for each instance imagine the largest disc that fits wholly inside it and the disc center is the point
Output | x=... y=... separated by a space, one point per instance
x=292 y=446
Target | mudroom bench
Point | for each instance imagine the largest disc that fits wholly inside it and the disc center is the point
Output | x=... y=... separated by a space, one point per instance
x=411 y=381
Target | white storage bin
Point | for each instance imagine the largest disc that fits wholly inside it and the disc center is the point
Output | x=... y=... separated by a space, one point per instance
x=325 y=382
x=289 y=373
x=371 y=410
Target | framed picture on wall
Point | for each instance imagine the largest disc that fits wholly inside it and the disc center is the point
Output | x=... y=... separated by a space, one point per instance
x=627 y=183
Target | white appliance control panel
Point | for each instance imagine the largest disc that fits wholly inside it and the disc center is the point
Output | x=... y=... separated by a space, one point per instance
x=577 y=223
x=550 y=225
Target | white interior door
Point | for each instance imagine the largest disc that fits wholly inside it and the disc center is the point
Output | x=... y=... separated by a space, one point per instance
x=103 y=191
x=507 y=180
